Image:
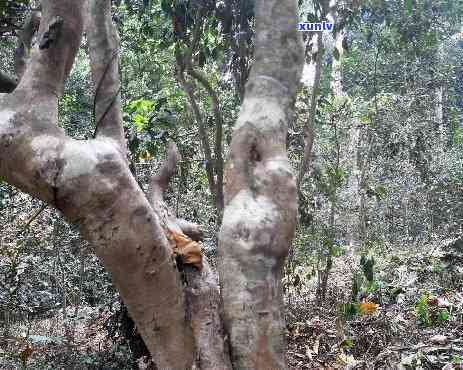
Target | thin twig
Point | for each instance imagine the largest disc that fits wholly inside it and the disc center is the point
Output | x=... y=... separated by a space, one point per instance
x=36 y=214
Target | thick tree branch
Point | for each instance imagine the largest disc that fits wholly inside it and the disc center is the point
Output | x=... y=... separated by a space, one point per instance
x=191 y=229
x=103 y=41
x=23 y=50
x=91 y=184
x=160 y=181
x=59 y=35
x=202 y=291
x=22 y=53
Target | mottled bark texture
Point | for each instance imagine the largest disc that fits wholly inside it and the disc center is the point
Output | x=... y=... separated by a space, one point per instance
x=89 y=181
x=202 y=289
x=260 y=194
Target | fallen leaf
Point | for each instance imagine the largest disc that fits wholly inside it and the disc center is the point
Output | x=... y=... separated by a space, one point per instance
x=187 y=249
x=368 y=307
x=309 y=353
x=408 y=360
x=443 y=302
x=345 y=359
x=25 y=354
x=439 y=339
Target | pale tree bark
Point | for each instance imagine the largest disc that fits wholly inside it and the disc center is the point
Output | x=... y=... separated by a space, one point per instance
x=317 y=55
x=440 y=97
x=336 y=68
x=90 y=182
x=260 y=194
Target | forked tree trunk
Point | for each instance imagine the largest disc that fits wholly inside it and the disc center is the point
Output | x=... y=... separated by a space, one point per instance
x=135 y=235
x=90 y=181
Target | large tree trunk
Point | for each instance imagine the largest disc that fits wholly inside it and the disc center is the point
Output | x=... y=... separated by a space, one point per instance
x=260 y=194
x=90 y=181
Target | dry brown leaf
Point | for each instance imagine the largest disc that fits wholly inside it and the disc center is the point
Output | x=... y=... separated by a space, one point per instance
x=345 y=359
x=189 y=251
x=25 y=354
x=438 y=339
x=368 y=307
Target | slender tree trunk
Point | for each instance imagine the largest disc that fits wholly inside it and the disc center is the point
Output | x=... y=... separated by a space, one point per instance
x=439 y=113
x=218 y=118
x=309 y=128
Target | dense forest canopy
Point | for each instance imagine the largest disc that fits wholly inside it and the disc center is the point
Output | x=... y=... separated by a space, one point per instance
x=307 y=187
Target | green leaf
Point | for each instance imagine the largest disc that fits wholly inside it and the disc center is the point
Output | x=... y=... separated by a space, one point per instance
x=408 y=5
x=380 y=192
x=347 y=343
x=443 y=316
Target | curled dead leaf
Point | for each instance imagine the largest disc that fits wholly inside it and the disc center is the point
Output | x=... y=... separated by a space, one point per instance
x=438 y=339
x=187 y=249
x=368 y=307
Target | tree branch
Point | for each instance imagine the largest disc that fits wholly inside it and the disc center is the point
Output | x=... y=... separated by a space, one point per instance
x=187 y=87
x=60 y=31
x=309 y=127
x=23 y=49
x=103 y=43
x=202 y=291
x=218 y=165
x=160 y=181
x=91 y=184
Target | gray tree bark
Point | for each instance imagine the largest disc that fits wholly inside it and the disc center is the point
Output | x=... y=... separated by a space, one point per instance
x=260 y=194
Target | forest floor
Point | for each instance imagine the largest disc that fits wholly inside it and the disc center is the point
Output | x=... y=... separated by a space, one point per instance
x=412 y=319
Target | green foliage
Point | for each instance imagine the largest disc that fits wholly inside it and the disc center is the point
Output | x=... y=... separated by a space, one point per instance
x=367 y=264
x=9 y=7
x=347 y=311
x=141 y=111
x=423 y=310
x=428 y=313
x=443 y=316
x=457 y=360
